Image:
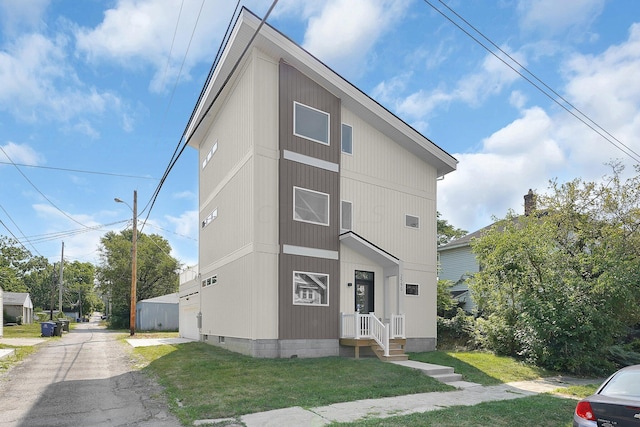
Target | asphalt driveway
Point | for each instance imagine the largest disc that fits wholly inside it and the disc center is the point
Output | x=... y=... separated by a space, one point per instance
x=84 y=378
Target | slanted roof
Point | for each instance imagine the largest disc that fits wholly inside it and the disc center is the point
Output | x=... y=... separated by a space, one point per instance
x=277 y=45
x=164 y=299
x=15 y=298
x=367 y=249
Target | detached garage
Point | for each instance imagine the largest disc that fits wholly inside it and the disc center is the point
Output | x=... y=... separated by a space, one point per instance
x=158 y=314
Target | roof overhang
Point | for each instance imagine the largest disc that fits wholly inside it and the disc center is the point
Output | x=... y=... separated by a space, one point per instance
x=277 y=45
x=367 y=249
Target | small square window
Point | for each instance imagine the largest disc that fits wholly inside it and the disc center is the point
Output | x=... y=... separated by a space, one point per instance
x=411 y=221
x=346 y=215
x=412 y=289
x=310 y=206
x=310 y=123
x=347 y=139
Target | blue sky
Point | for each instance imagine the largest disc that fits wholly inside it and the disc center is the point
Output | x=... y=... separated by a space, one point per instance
x=95 y=95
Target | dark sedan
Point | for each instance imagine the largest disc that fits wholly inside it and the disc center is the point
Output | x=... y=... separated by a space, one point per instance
x=615 y=403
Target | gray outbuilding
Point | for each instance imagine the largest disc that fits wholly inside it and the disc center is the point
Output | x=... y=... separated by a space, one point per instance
x=158 y=314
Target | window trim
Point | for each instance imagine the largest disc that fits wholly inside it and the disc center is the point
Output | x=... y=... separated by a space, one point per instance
x=406 y=217
x=210 y=218
x=210 y=154
x=342 y=139
x=342 y=228
x=328 y=210
x=308 y=304
x=417 y=285
x=328 y=141
x=209 y=281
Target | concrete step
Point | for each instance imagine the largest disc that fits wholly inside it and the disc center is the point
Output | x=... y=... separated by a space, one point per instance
x=447 y=378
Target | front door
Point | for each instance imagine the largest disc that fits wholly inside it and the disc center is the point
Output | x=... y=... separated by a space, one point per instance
x=364 y=292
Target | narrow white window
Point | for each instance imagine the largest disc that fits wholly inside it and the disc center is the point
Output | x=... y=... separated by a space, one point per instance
x=310 y=206
x=210 y=154
x=209 y=281
x=310 y=288
x=347 y=139
x=310 y=123
x=411 y=221
x=346 y=215
x=213 y=215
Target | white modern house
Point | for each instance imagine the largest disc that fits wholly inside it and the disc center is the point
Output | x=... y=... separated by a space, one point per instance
x=317 y=209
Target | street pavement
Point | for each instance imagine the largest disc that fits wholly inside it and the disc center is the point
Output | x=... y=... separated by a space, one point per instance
x=84 y=378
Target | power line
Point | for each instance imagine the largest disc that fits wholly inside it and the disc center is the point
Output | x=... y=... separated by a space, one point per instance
x=40 y=192
x=567 y=106
x=79 y=171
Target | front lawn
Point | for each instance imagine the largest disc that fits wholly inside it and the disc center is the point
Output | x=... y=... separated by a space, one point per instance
x=484 y=368
x=209 y=382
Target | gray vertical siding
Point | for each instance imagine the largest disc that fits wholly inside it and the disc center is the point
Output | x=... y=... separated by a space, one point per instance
x=299 y=321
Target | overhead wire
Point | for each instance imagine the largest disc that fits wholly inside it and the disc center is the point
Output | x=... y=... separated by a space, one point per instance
x=40 y=192
x=568 y=107
x=206 y=111
x=18 y=227
x=79 y=171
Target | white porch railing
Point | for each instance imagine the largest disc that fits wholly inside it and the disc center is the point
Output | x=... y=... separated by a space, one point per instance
x=356 y=325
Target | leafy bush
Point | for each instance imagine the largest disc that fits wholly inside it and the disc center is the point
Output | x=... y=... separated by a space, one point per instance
x=459 y=331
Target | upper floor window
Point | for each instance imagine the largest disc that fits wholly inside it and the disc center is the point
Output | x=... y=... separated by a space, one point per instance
x=347 y=139
x=210 y=154
x=310 y=206
x=210 y=281
x=213 y=215
x=310 y=123
x=346 y=215
x=411 y=221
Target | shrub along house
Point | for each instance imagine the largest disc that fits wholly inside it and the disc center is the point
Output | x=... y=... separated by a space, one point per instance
x=317 y=208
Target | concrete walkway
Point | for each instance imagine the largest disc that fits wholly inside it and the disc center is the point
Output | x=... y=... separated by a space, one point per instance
x=468 y=394
x=17 y=342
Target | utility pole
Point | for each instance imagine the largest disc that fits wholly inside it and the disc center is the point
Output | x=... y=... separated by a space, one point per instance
x=134 y=265
x=134 y=260
x=61 y=273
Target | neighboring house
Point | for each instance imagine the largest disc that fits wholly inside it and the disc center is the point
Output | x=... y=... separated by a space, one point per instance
x=189 y=304
x=457 y=262
x=18 y=304
x=315 y=202
x=158 y=314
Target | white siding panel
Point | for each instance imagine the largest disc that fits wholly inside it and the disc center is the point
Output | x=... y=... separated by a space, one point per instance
x=421 y=310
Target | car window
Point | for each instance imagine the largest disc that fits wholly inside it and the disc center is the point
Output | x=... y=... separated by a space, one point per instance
x=624 y=384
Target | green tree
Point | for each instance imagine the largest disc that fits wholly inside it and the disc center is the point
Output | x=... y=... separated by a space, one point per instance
x=14 y=262
x=560 y=286
x=447 y=232
x=157 y=271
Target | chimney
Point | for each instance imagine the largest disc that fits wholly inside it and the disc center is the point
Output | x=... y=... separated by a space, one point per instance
x=529 y=202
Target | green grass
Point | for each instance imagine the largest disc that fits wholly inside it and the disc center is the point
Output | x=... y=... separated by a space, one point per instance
x=541 y=410
x=483 y=368
x=579 y=391
x=210 y=382
x=22 y=331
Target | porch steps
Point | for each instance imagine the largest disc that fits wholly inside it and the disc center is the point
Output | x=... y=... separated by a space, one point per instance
x=444 y=374
x=396 y=351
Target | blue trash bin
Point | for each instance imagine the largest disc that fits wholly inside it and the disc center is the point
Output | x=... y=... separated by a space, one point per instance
x=47 y=328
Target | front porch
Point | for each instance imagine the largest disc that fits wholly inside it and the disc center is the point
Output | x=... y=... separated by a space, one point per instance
x=387 y=340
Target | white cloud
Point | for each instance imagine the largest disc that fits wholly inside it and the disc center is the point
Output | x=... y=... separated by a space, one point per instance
x=169 y=36
x=343 y=33
x=540 y=145
x=552 y=17
x=16 y=16
x=186 y=224
x=20 y=153
x=37 y=82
